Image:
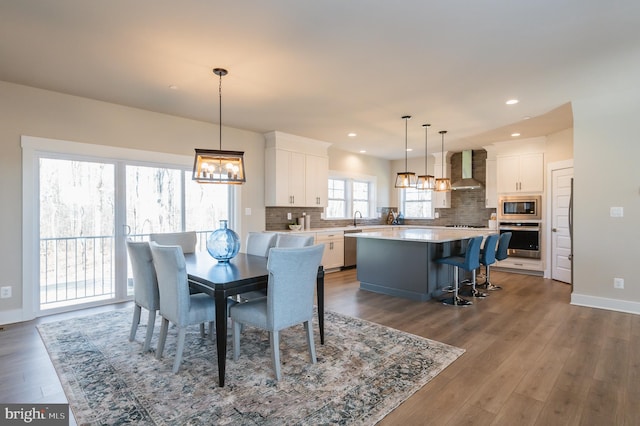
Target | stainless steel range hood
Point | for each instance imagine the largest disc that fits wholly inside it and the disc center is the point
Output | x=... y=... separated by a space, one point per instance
x=467 y=181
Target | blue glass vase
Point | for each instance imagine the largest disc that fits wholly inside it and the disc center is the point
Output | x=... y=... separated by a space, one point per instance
x=223 y=244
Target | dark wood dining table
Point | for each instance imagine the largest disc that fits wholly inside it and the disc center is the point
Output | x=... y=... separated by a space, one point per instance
x=241 y=274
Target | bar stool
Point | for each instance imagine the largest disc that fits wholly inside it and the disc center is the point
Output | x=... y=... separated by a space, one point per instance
x=501 y=254
x=487 y=257
x=470 y=262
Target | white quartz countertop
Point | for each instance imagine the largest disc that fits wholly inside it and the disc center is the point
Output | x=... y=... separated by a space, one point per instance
x=426 y=235
x=366 y=228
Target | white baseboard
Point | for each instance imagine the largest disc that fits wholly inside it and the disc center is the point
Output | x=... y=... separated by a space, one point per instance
x=605 y=303
x=11 y=317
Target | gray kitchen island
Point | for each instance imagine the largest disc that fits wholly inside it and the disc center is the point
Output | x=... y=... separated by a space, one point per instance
x=402 y=263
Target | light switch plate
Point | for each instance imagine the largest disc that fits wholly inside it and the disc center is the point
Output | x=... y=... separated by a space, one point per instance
x=5 y=292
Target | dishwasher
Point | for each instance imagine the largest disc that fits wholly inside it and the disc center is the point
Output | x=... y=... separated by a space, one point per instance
x=350 y=248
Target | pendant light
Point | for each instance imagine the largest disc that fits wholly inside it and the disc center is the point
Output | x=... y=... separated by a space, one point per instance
x=216 y=165
x=426 y=181
x=443 y=184
x=405 y=179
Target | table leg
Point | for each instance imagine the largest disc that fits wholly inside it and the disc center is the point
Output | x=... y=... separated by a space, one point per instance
x=320 y=292
x=221 y=334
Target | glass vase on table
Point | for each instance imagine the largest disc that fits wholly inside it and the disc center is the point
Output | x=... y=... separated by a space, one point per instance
x=223 y=244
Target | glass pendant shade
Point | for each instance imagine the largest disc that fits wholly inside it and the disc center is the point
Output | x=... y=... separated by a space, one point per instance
x=443 y=184
x=405 y=179
x=216 y=165
x=426 y=181
x=223 y=244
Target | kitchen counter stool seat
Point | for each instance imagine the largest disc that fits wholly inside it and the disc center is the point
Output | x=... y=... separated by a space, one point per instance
x=501 y=254
x=470 y=262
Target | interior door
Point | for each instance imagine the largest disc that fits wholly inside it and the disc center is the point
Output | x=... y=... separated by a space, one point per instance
x=560 y=236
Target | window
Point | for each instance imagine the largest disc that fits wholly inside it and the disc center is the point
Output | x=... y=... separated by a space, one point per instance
x=416 y=203
x=350 y=194
x=337 y=200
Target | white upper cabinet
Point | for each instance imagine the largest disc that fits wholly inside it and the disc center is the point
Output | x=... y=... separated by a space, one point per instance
x=317 y=180
x=491 y=185
x=296 y=171
x=520 y=173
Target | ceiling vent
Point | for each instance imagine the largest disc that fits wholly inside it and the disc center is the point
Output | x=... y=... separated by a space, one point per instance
x=467 y=181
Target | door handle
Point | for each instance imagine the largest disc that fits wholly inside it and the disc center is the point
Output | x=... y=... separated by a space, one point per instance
x=554 y=230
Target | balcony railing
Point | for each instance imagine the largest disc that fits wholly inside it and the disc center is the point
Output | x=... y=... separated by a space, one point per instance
x=82 y=269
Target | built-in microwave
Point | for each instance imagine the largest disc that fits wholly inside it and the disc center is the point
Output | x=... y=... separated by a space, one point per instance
x=521 y=207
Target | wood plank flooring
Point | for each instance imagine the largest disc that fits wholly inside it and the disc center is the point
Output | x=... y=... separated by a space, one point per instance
x=531 y=358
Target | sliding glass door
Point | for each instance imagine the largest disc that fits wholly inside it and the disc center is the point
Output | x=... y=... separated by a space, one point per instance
x=87 y=209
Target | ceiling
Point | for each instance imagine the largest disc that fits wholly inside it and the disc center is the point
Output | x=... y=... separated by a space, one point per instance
x=322 y=69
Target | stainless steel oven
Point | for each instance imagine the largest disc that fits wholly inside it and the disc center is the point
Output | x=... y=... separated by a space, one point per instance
x=525 y=238
x=521 y=207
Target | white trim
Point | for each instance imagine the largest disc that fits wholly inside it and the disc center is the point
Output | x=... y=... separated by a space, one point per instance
x=605 y=303
x=11 y=317
x=551 y=167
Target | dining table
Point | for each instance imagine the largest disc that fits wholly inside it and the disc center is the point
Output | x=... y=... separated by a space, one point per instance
x=241 y=274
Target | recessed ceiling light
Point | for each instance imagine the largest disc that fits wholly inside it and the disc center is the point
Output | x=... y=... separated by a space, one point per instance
x=362 y=151
x=512 y=101
x=173 y=87
x=352 y=135
x=515 y=134
x=526 y=117
x=409 y=149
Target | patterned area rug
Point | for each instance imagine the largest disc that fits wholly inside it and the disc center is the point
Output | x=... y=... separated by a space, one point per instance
x=364 y=371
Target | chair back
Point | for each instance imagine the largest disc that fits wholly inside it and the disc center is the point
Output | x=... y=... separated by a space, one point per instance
x=472 y=254
x=503 y=245
x=259 y=243
x=488 y=255
x=145 y=283
x=292 y=280
x=286 y=240
x=172 y=283
x=186 y=240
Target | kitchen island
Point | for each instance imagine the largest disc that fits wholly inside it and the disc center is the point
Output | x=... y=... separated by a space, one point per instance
x=402 y=262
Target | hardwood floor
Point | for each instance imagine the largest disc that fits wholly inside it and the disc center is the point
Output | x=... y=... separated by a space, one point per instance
x=531 y=358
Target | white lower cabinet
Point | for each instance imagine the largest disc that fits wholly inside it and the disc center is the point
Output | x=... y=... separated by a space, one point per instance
x=333 y=241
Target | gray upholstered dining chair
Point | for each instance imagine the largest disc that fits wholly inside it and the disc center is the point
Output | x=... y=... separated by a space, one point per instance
x=287 y=240
x=176 y=304
x=145 y=288
x=186 y=240
x=259 y=243
x=292 y=280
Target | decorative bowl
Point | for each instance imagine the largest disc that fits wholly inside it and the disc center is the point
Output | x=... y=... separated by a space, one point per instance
x=295 y=227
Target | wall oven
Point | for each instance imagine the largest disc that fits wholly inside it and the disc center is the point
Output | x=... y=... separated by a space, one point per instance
x=518 y=208
x=525 y=239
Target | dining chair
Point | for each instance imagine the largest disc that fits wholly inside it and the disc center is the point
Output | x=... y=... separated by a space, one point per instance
x=259 y=243
x=176 y=304
x=287 y=240
x=289 y=301
x=186 y=240
x=145 y=288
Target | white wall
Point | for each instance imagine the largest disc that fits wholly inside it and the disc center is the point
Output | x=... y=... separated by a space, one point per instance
x=348 y=162
x=35 y=112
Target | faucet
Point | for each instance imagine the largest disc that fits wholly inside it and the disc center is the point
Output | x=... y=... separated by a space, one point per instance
x=357 y=212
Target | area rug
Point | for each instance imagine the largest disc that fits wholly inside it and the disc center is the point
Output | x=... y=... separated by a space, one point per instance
x=364 y=371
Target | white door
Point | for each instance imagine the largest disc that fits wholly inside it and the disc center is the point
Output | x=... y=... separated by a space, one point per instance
x=560 y=238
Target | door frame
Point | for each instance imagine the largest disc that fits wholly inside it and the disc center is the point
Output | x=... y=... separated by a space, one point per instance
x=551 y=167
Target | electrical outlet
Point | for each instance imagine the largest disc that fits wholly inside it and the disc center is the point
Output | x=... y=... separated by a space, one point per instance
x=5 y=292
x=618 y=283
x=288 y=216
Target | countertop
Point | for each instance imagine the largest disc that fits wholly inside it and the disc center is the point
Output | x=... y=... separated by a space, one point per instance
x=427 y=235
x=365 y=228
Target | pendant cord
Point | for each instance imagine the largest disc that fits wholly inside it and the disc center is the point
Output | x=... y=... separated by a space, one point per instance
x=220 y=108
